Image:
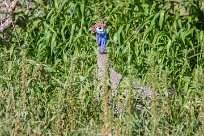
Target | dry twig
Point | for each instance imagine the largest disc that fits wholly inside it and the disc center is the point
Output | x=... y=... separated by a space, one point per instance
x=7 y=8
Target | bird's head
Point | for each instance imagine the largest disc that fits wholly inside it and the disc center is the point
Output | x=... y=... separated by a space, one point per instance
x=99 y=28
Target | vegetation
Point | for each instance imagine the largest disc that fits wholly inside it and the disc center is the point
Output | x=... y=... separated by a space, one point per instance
x=48 y=68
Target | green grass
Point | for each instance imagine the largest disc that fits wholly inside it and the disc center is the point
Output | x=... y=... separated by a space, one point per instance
x=48 y=83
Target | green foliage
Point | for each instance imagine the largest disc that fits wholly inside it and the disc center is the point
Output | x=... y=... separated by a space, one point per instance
x=53 y=59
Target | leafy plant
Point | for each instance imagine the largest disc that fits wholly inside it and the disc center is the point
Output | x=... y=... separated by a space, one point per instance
x=48 y=67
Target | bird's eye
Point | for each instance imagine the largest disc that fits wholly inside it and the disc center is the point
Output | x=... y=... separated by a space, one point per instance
x=99 y=27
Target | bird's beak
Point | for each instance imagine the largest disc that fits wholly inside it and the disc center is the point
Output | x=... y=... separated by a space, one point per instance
x=92 y=28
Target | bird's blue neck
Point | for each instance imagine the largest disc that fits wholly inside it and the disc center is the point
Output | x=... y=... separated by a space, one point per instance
x=102 y=34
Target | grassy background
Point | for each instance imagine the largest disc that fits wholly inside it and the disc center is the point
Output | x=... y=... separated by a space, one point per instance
x=48 y=68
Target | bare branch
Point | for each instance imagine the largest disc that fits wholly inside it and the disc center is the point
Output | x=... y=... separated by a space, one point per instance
x=6 y=24
x=7 y=20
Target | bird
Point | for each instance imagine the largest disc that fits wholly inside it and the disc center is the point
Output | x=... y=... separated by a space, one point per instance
x=101 y=35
